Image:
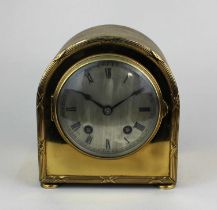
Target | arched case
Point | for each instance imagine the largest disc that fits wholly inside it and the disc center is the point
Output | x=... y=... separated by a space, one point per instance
x=155 y=163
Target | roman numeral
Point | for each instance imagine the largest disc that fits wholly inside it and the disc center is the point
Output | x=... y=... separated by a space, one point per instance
x=126 y=140
x=89 y=77
x=108 y=73
x=108 y=146
x=144 y=109
x=71 y=109
x=89 y=139
x=125 y=79
x=139 y=126
x=76 y=126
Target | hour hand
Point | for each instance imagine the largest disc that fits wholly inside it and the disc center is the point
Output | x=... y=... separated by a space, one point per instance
x=88 y=97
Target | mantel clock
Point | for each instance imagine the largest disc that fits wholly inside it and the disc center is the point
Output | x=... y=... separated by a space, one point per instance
x=108 y=112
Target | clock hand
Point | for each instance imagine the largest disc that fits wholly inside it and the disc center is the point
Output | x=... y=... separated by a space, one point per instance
x=132 y=94
x=88 y=97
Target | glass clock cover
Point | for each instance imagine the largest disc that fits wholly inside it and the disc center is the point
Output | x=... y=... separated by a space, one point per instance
x=107 y=107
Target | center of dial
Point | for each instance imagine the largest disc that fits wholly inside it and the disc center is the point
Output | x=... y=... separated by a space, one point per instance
x=107 y=110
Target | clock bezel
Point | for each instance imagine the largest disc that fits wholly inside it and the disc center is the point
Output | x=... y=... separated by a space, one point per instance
x=100 y=57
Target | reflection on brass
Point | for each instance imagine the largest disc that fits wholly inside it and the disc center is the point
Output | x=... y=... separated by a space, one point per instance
x=155 y=162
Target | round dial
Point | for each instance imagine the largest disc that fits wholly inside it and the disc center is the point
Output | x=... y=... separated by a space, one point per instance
x=107 y=105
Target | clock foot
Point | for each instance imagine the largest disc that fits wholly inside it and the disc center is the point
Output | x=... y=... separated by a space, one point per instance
x=49 y=186
x=167 y=186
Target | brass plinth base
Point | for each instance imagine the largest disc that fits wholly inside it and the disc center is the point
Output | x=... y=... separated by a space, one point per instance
x=49 y=186
x=167 y=187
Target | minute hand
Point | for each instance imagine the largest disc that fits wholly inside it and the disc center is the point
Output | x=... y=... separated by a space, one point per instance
x=89 y=98
x=132 y=94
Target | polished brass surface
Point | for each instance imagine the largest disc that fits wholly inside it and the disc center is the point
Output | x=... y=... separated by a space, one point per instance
x=49 y=186
x=154 y=163
x=167 y=187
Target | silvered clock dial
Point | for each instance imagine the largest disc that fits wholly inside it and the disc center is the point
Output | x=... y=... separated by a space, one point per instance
x=108 y=106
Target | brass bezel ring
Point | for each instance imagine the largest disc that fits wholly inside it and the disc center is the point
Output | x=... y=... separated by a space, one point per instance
x=100 y=57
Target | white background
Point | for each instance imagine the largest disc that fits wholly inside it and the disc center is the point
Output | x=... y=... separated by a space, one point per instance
x=31 y=33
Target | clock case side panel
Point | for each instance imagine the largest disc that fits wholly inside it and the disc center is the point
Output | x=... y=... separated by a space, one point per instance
x=75 y=50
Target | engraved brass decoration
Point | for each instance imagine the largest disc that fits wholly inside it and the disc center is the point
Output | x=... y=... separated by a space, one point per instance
x=155 y=163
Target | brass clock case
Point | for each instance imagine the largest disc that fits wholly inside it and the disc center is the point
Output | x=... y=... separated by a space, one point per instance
x=155 y=162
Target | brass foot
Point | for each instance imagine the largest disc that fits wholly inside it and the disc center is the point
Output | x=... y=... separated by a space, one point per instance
x=49 y=186
x=167 y=186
